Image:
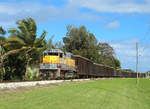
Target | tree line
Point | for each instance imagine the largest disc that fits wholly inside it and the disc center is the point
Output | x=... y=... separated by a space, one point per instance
x=22 y=48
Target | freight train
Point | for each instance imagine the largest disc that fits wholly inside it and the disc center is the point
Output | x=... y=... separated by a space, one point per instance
x=57 y=64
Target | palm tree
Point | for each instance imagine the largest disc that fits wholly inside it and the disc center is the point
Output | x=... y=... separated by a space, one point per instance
x=2 y=40
x=25 y=39
x=22 y=40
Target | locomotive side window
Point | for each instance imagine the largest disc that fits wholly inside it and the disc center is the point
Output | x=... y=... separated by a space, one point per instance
x=45 y=54
x=72 y=57
x=61 y=55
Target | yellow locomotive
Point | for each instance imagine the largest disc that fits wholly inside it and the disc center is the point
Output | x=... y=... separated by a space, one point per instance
x=57 y=64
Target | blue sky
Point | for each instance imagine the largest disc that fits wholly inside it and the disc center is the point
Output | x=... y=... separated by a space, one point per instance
x=121 y=23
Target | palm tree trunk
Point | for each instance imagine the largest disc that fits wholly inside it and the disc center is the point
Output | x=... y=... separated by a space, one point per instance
x=27 y=65
x=2 y=69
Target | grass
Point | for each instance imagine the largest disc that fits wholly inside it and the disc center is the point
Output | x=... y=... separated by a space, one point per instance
x=99 y=94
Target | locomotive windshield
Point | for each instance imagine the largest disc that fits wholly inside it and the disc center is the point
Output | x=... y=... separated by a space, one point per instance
x=53 y=54
x=50 y=54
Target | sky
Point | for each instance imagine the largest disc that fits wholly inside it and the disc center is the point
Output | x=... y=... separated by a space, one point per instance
x=121 y=23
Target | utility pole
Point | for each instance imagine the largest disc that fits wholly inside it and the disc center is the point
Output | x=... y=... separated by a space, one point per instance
x=137 y=81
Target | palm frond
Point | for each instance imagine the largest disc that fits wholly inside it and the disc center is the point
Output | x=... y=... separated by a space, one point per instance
x=41 y=49
x=13 y=43
x=16 y=51
x=28 y=28
x=33 y=25
x=16 y=33
x=2 y=38
x=39 y=41
x=2 y=31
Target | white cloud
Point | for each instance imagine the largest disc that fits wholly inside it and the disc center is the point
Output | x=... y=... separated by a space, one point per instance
x=113 y=25
x=4 y=8
x=114 y=6
x=126 y=53
x=10 y=12
x=5 y=24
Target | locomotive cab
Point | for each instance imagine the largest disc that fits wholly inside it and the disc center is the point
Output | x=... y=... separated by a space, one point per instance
x=52 y=59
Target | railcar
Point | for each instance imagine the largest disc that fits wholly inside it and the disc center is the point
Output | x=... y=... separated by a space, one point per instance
x=97 y=69
x=84 y=67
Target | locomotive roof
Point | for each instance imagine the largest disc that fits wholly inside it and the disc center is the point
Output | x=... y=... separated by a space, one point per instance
x=53 y=51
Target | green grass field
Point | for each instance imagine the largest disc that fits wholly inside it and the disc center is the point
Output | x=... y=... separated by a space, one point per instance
x=99 y=94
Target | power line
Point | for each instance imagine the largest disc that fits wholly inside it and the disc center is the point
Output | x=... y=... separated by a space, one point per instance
x=146 y=34
x=144 y=38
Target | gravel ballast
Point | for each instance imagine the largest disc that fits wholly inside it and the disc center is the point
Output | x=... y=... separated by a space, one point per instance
x=34 y=83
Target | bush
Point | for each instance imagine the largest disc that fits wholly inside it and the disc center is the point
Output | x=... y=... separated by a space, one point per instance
x=32 y=73
x=1 y=75
x=15 y=67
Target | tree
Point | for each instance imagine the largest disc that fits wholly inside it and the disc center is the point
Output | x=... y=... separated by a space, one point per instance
x=24 y=40
x=2 y=40
x=106 y=50
x=49 y=43
x=4 y=53
x=107 y=56
x=128 y=70
x=27 y=37
x=117 y=63
x=15 y=67
x=79 y=41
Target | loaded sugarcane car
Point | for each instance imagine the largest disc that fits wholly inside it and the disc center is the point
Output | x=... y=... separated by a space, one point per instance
x=57 y=64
